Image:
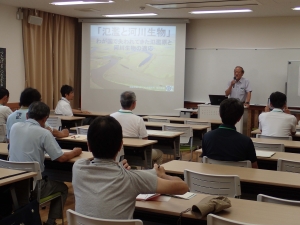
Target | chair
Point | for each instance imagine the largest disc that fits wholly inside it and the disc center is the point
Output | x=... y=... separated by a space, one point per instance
x=193 y=122
x=160 y=120
x=185 y=139
x=288 y=166
x=270 y=199
x=274 y=137
x=225 y=185
x=33 y=167
x=75 y=218
x=81 y=130
x=268 y=147
x=54 y=122
x=245 y=163
x=218 y=220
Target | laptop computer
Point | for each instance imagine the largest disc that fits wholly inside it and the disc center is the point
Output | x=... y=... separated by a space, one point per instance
x=216 y=99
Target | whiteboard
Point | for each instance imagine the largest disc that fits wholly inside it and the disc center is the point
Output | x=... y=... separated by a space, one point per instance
x=293 y=86
x=207 y=71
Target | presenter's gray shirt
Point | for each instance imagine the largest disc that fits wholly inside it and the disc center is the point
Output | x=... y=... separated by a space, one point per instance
x=240 y=89
x=105 y=189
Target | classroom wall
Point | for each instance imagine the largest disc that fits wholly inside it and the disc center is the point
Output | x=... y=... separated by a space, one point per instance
x=269 y=32
x=11 y=39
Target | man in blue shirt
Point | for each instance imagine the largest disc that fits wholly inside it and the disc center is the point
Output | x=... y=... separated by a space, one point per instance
x=29 y=141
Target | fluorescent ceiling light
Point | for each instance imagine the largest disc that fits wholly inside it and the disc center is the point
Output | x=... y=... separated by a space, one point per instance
x=80 y=2
x=131 y=15
x=221 y=11
x=296 y=8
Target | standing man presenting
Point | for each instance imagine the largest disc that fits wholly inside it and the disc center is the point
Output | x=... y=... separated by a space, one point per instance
x=239 y=87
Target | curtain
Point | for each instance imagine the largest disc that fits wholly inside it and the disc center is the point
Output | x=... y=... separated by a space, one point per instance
x=49 y=54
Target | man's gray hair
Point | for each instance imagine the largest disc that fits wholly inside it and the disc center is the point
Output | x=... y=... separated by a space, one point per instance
x=127 y=99
x=38 y=110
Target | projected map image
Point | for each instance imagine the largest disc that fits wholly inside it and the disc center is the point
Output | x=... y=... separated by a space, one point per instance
x=136 y=57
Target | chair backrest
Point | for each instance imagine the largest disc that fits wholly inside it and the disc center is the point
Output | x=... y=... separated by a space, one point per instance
x=187 y=132
x=75 y=218
x=193 y=122
x=25 y=166
x=225 y=185
x=274 y=137
x=288 y=166
x=270 y=199
x=245 y=163
x=160 y=120
x=268 y=147
x=81 y=130
x=54 y=122
x=3 y=133
x=218 y=220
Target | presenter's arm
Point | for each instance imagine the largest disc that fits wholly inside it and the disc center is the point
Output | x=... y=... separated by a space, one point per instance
x=248 y=98
x=168 y=184
x=228 y=91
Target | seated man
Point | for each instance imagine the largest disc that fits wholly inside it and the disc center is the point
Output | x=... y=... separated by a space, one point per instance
x=106 y=189
x=133 y=125
x=63 y=106
x=225 y=143
x=29 y=141
x=28 y=96
x=279 y=121
x=4 y=110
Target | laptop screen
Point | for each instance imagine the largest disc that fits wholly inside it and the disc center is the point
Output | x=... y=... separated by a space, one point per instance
x=216 y=99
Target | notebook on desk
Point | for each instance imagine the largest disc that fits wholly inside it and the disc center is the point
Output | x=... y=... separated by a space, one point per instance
x=216 y=99
x=264 y=154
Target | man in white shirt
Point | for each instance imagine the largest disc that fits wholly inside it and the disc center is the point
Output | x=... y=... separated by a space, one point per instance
x=133 y=125
x=4 y=110
x=277 y=120
x=63 y=106
x=239 y=87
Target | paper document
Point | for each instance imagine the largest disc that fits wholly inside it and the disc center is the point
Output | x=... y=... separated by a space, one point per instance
x=145 y=197
x=186 y=196
x=265 y=154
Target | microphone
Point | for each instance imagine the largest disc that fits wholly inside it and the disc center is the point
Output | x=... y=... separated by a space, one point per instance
x=234 y=79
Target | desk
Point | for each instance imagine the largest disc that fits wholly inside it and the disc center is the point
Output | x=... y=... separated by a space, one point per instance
x=271 y=162
x=241 y=210
x=182 y=119
x=164 y=138
x=128 y=143
x=290 y=146
x=76 y=119
x=10 y=177
x=275 y=183
x=91 y=114
x=186 y=113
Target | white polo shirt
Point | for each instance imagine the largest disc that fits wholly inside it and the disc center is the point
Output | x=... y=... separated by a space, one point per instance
x=277 y=123
x=240 y=89
x=4 y=113
x=29 y=142
x=63 y=107
x=132 y=125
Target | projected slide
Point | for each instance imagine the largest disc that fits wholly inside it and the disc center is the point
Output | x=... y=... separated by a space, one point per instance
x=132 y=56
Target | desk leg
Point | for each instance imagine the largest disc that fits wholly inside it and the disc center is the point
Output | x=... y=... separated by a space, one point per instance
x=148 y=157
x=177 y=147
x=14 y=197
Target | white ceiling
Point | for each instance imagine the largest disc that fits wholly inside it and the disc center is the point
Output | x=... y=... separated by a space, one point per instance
x=261 y=8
